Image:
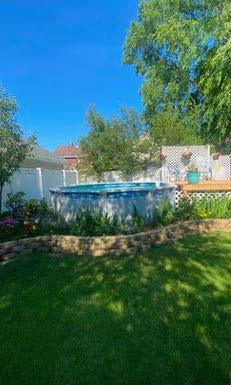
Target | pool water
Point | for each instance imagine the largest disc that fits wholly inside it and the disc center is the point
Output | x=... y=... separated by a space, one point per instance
x=110 y=187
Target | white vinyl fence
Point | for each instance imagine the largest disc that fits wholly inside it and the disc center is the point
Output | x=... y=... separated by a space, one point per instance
x=150 y=174
x=35 y=183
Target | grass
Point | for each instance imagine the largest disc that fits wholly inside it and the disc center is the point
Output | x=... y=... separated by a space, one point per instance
x=160 y=318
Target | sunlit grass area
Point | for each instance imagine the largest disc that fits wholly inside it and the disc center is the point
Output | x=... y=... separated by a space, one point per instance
x=160 y=318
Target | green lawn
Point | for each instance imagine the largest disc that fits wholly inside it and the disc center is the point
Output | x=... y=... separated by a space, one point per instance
x=158 y=318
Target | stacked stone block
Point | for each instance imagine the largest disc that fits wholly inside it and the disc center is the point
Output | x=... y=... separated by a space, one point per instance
x=109 y=245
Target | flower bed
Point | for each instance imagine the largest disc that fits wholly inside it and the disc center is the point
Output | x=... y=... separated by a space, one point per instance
x=110 y=245
x=34 y=218
x=28 y=218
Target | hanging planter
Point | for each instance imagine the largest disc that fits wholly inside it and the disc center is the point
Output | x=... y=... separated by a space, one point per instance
x=216 y=155
x=161 y=155
x=186 y=154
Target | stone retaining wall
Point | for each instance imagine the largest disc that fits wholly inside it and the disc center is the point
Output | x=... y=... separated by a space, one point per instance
x=9 y=250
x=112 y=245
x=131 y=244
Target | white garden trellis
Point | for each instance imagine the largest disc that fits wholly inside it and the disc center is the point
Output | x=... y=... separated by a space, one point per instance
x=174 y=166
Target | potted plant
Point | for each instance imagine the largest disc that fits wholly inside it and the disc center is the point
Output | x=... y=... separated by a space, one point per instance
x=193 y=175
x=161 y=155
x=186 y=154
x=216 y=155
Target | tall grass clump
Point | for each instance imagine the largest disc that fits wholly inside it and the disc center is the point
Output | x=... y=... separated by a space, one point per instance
x=96 y=223
x=208 y=207
x=213 y=207
x=164 y=213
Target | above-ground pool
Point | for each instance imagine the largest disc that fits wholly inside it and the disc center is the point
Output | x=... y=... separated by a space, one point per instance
x=111 y=198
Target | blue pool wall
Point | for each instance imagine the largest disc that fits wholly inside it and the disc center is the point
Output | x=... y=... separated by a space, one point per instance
x=119 y=199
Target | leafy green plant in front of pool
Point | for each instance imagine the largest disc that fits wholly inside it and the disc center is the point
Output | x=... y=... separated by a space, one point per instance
x=137 y=222
x=97 y=223
x=37 y=207
x=164 y=213
x=91 y=223
x=185 y=210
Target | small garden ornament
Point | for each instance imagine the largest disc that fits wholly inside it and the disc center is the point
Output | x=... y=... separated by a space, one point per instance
x=29 y=224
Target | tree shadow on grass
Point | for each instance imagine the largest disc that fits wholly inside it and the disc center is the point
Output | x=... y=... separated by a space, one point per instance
x=162 y=317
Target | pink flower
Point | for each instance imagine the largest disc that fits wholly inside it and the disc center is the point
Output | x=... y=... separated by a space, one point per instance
x=9 y=222
x=161 y=155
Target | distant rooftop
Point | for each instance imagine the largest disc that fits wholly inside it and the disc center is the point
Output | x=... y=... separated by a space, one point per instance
x=68 y=151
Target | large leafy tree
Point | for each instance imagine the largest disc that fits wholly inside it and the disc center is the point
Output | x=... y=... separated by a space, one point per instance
x=13 y=147
x=214 y=77
x=113 y=144
x=168 y=128
x=183 y=50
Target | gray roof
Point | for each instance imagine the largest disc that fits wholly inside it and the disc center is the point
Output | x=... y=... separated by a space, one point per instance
x=43 y=154
x=40 y=157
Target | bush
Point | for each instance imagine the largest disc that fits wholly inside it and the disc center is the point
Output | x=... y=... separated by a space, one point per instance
x=5 y=214
x=164 y=213
x=10 y=229
x=92 y=223
x=204 y=208
x=212 y=207
x=40 y=219
x=15 y=204
x=137 y=222
x=53 y=223
x=37 y=208
x=96 y=223
x=186 y=210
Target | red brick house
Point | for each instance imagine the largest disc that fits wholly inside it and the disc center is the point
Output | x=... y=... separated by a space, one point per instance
x=70 y=154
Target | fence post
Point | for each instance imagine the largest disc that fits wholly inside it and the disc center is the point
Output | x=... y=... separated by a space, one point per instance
x=77 y=177
x=40 y=176
x=64 y=178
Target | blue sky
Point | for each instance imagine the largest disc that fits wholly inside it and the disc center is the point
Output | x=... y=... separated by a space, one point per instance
x=58 y=57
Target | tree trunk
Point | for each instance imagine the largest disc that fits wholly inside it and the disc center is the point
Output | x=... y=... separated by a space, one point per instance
x=1 y=190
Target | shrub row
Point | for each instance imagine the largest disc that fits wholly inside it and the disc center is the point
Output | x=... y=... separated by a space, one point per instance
x=34 y=218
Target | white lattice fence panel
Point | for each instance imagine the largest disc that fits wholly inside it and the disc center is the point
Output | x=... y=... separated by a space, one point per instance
x=215 y=194
x=221 y=168
x=201 y=195
x=178 y=196
x=175 y=166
